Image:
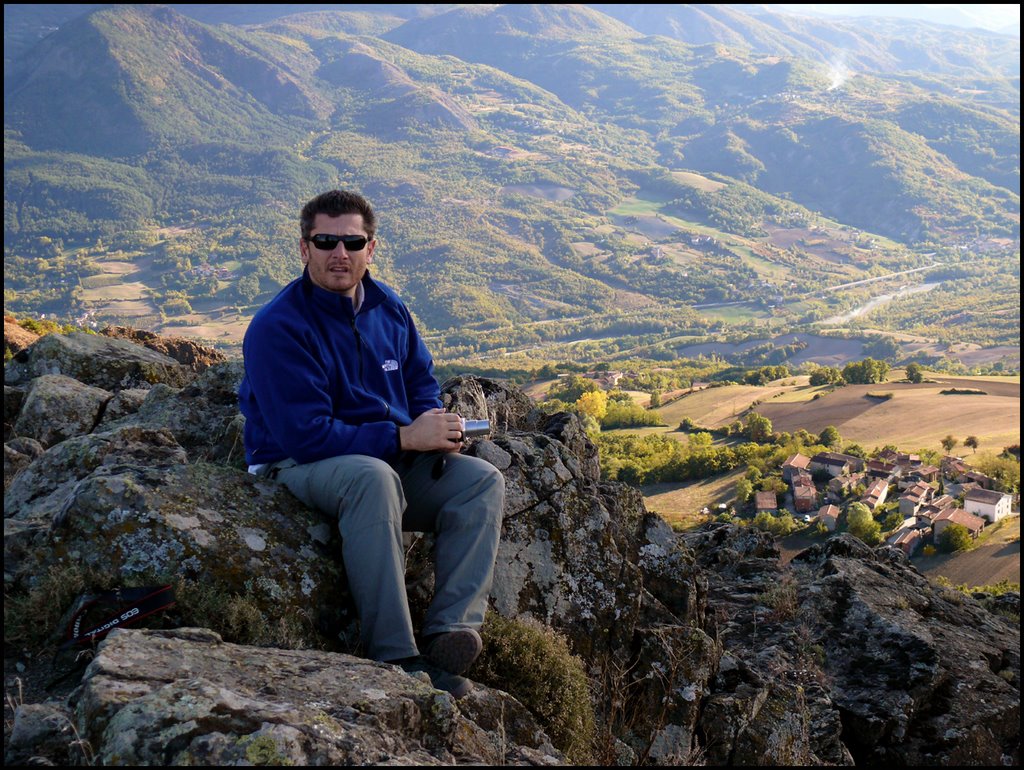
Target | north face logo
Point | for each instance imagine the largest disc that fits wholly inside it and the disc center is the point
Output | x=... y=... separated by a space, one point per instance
x=390 y=365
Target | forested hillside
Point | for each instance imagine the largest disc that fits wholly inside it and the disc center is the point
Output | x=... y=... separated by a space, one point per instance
x=543 y=173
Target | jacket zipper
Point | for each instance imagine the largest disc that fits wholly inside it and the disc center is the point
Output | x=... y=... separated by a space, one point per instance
x=359 y=352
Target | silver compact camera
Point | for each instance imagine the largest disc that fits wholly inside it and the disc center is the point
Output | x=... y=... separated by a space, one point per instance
x=475 y=428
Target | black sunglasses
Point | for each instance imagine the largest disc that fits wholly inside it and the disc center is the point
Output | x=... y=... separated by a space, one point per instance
x=326 y=242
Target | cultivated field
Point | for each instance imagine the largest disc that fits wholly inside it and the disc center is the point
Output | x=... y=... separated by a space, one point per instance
x=698 y=181
x=827 y=351
x=229 y=329
x=714 y=407
x=917 y=416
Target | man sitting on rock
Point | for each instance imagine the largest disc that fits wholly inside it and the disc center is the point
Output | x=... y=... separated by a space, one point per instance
x=341 y=405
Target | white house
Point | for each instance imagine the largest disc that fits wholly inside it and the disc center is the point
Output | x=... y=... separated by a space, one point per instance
x=990 y=505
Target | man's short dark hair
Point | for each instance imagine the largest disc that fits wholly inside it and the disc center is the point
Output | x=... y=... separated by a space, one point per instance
x=334 y=203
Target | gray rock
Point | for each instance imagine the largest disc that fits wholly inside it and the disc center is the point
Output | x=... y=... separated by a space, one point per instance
x=44 y=733
x=43 y=488
x=18 y=455
x=103 y=362
x=13 y=398
x=184 y=697
x=477 y=398
x=185 y=351
x=203 y=416
x=138 y=523
x=124 y=403
x=922 y=675
x=58 y=407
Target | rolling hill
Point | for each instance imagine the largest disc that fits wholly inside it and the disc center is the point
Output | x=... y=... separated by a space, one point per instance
x=544 y=173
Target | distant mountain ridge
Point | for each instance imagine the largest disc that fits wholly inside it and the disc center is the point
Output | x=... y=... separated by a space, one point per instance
x=872 y=44
x=498 y=142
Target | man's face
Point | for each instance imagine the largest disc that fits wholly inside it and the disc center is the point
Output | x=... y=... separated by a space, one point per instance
x=337 y=269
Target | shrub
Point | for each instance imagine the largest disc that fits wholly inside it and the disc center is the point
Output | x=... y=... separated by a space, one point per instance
x=32 y=617
x=954 y=538
x=777 y=525
x=533 y=663
x=238 y=619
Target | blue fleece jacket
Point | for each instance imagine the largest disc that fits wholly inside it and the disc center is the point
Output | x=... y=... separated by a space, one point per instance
x=322 y=381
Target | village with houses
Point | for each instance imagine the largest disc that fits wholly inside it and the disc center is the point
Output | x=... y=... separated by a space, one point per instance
x=822 y=485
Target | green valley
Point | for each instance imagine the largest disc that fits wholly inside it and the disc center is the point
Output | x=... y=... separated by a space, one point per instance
x=598 y=194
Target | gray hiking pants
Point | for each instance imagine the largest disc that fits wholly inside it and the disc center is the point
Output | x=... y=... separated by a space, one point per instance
x=374 y=502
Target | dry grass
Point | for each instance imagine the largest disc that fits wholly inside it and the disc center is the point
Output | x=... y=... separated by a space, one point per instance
x=995 y=558
x=698 y=181
x=680 y=504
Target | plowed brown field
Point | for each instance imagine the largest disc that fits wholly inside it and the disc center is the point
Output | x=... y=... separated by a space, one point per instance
x=917 y=416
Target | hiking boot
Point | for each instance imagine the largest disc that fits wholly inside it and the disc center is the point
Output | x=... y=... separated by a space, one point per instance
x=454 y=651
x=458 y=686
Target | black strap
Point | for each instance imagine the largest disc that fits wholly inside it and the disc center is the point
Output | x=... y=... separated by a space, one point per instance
x=129 y=605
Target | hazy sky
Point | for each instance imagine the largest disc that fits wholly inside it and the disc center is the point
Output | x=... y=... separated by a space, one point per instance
x=993 y=16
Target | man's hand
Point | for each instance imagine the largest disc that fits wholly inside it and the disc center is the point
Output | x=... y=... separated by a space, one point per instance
x=436 y=430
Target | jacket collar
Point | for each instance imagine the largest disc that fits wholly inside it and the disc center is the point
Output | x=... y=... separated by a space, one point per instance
x=339 y=304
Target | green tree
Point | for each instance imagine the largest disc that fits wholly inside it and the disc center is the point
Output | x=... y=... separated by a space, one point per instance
x=826 y=375
x=892 y=520
x=915 y=373
x=866 y=372
x=766 y=374
x=830 y=436
x=701 y=440
x=948 y=443
x=744 y=491
x=759 y=428
x=884 y=348
x=856 y=450
x=954 y=538
x=805 y=438
x=1004 y=468
x=248 y=287
x=861 y=523
x=572 y=388
x=774 y=484
x=972 y=442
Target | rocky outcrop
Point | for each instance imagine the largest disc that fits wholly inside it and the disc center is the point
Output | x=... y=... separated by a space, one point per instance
x=185 y=697
x=15 y=337
x=920 y=676
x=881 y=666
x=103 y=362
x=185 y=351
x=700 y=648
